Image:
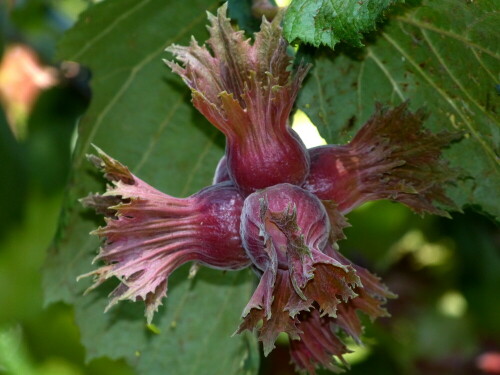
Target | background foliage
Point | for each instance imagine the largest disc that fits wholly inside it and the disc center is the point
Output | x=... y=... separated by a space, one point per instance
x=443 y=55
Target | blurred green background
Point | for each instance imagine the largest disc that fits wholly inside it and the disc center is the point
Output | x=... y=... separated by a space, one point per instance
x=446 y=272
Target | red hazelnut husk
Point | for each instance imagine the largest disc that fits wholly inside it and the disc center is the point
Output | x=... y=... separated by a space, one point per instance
x=307 y=289
x=149 y=234
x=247 y=90
x=391 y=157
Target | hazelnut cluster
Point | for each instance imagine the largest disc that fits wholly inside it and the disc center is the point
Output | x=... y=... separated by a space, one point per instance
x=274 y=205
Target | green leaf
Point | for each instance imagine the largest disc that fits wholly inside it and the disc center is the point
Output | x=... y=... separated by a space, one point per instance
x=443 y=56
x=327 y=22
x=191 y=332
x=141 y=115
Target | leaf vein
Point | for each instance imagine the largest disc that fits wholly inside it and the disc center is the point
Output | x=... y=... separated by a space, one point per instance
x=108 y=29
x=481 y=62
x=390 y=78
x=450 y=34
x=322 y=112
x=452 y=76
x=156 y=136
x=208 y=335
x=424 y=75
x=359 y=86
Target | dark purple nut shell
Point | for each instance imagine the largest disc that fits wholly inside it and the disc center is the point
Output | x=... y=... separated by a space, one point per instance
x=311 y=218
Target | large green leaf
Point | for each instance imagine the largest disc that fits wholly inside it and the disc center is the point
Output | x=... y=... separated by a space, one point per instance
x=443 y=56
x=141 y=115
x=327 y=22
